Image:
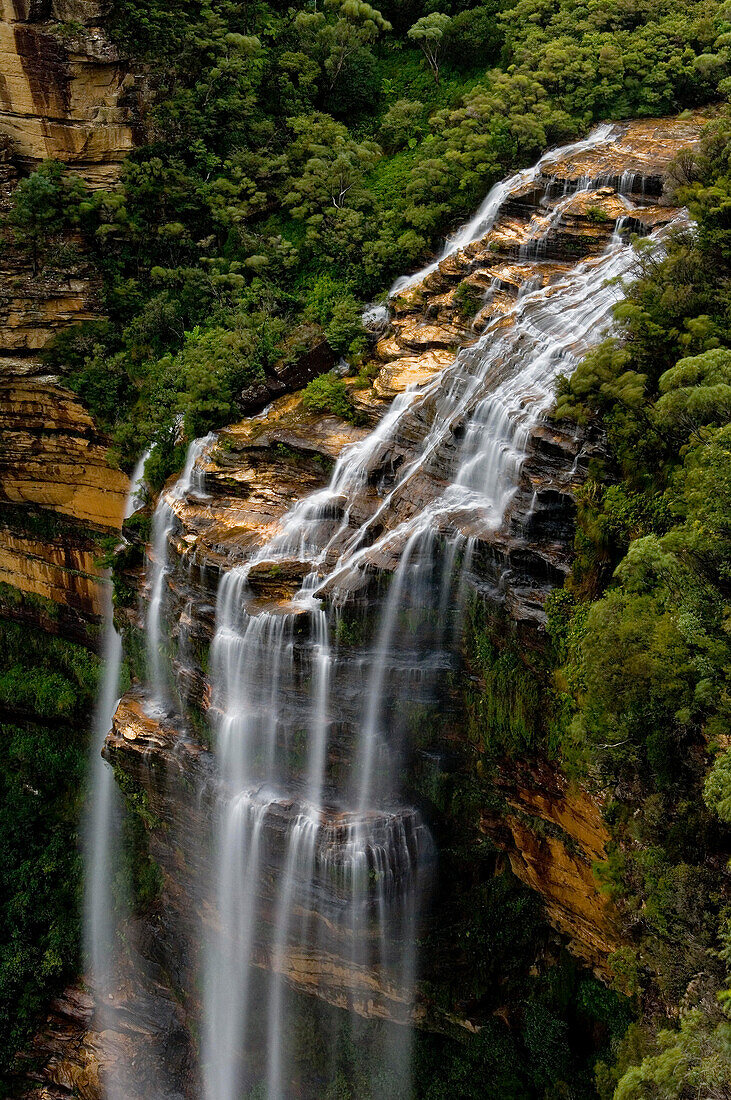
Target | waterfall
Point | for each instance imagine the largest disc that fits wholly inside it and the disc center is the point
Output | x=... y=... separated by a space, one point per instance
x=163 y=521
x=103 y=813
x=319 y=863
x=486 y=216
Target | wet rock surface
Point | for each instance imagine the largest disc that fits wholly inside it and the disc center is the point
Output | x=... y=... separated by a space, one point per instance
x=182 y=791
x=75 y=1053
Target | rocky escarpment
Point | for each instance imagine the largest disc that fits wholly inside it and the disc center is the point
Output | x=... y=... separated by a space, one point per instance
x=64 y=95
x=178 y=782
x=554 y=836
x=144 y=1044
x=58 y=498
x=256 y=471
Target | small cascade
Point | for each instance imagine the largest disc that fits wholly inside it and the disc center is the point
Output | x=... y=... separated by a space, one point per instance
x=137 y=492
x=319 y=861
x=103 y=818
x=189 y=483
x=484 y=219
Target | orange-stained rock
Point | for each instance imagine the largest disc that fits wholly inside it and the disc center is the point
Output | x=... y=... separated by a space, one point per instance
x=54 y=460
x=62 y=95
x=61 y=91
x=53 y=456
x=555 y=836
x=411 y=370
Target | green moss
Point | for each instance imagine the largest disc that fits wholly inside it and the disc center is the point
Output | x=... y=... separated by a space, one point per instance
x=512 y=706
x=468 y=299
x=597 y=216
x=136 y=798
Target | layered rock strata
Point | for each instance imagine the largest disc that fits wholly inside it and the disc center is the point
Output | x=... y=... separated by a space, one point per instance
x=63 y=89
x=555 y=837
x=66 y=95
x=59 y=498
x=177 y=778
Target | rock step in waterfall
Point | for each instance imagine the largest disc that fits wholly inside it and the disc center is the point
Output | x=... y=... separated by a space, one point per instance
x=303 y=599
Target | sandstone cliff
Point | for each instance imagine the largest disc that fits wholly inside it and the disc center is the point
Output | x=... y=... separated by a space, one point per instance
x=62 y=87
x=62 y=96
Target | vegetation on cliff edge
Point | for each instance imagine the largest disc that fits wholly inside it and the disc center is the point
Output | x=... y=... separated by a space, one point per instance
x=642 y=639
x=295 y=160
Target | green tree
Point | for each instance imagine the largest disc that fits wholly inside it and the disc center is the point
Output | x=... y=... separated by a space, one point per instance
x=45 y=204
x=696 y=393
x=692 y=1062
x=429 y=34
x=327 y=168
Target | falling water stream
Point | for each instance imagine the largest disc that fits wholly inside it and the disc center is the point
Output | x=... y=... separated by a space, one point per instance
x=104 y=812
x=317 y=856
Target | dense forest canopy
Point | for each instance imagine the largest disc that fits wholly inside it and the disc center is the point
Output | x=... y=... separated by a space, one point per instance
x=292 y=163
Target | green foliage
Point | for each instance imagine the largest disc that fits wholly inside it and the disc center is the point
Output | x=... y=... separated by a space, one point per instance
x=284 y=147
x=332 y=305
x=47 y=688
x=329 y=394
x=45 y=205
x=468 y=299
x=693 y=1061
x=696 y=394
x=642 y=633
x=513 y=709
x=401 y=124
x=717 y=788
x=429 y=32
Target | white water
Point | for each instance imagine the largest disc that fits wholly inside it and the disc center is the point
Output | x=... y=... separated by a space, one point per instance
x=103 y=811
x=189 y=483
x=484 y=219
x=321 y=855
x=136 y=497
x=103 y=816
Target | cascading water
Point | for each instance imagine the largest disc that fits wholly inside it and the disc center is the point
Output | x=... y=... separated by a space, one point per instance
x=485 y=217
x=319 y=860
x=163 y=521
x=103 y=815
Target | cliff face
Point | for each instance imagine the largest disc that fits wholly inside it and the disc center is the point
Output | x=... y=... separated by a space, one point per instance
x=256 y=471
x=62 y=93
x=554 y=836
x=58 y=494
x=252 y=475
x=62 y=87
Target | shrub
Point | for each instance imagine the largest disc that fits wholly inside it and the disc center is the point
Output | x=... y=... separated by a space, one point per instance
x=329 y=394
